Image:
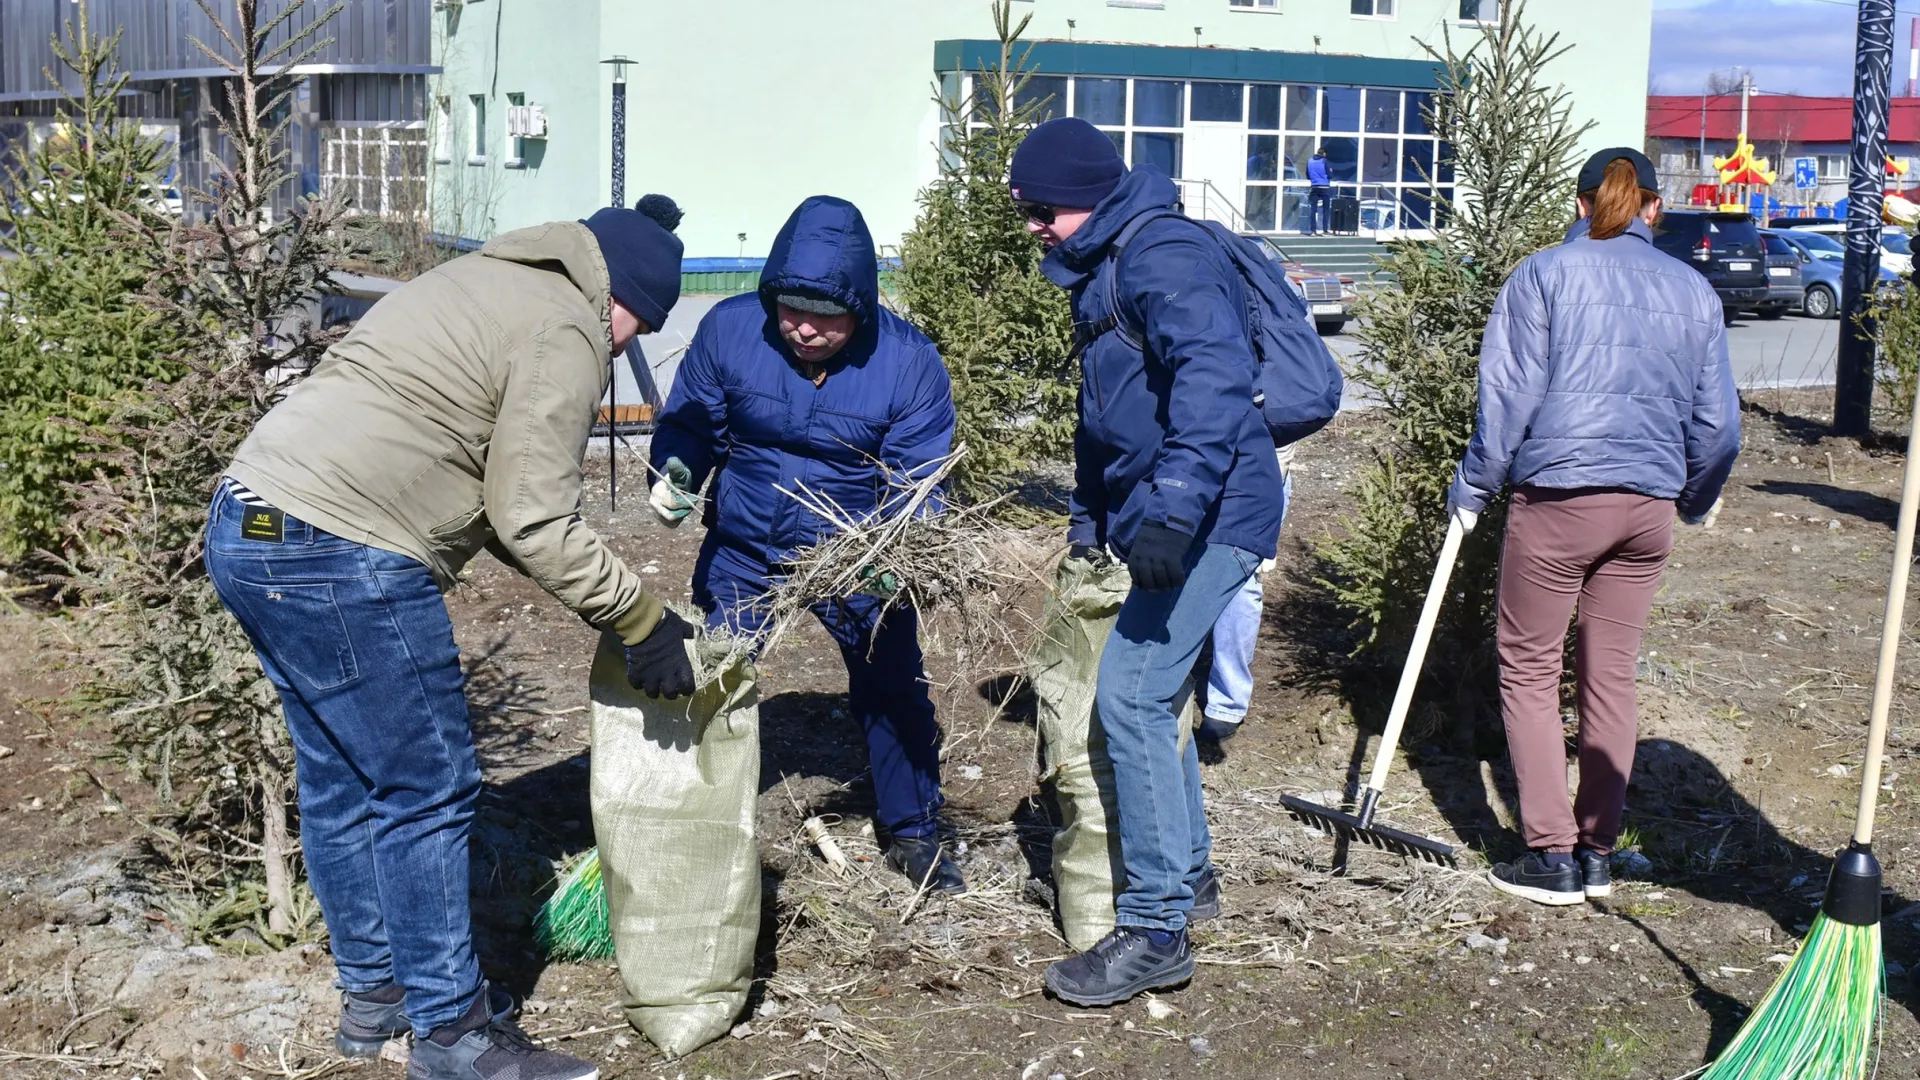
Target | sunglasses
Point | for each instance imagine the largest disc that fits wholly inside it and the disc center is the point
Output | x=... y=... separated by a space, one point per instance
x=1039 y=212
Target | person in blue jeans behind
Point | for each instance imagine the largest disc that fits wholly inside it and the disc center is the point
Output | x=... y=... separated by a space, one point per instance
x=453 y=418
x=811 y=381
x=1235 y=633
x=1319 y=194
x=1174 y=471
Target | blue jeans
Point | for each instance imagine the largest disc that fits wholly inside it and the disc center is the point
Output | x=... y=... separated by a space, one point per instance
x=1319 y=210
x=358 y=643
x=886 y=680
x=1235 y=633
x=1146 y=676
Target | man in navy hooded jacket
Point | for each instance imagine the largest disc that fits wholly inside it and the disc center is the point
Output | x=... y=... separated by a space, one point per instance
x=812 y=382
x=1174 y=472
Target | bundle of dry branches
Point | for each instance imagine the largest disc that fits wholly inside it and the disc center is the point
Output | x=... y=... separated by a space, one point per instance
x=964 y=573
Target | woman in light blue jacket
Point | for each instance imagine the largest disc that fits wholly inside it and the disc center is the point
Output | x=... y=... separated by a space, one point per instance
x=1607 y=403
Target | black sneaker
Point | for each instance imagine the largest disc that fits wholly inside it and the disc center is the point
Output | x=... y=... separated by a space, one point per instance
x=478 y=1047
x=1531 y=879
x=1596 y=872
x=1206 y=896
x=1217 y=729
x=925 y=861
x=1124 y=963
x=369 y=1020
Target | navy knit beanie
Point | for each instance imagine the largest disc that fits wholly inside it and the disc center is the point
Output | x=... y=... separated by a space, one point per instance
x=642 y=256
x=1066 y=162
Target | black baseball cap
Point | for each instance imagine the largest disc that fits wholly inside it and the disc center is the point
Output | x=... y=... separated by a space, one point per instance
x=1595 y=170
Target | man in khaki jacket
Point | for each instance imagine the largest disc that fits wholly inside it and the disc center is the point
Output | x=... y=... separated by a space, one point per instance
x=454 y=417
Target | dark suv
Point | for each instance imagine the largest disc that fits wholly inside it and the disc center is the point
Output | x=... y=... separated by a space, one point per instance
x=1725 y=247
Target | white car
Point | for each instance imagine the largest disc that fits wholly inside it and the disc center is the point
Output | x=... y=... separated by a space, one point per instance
x=1896 y=253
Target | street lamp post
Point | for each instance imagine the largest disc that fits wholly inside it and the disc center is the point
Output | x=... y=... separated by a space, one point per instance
x=619 y=63
x=1872 y=82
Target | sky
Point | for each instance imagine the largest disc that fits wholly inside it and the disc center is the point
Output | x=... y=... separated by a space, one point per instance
x=1791 y=46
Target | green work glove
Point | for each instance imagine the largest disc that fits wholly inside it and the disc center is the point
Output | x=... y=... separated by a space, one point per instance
x=669 y=498
x=881 y=583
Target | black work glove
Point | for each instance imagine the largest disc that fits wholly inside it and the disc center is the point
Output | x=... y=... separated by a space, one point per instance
x=1159 y=556
x=1086 y=553
x=658 y=665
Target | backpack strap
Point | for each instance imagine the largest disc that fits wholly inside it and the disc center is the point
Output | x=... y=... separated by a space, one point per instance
x=1112 y=321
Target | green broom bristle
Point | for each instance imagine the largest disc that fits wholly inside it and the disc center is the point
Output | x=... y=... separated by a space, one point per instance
x=572 y=924
x=1817 y=1021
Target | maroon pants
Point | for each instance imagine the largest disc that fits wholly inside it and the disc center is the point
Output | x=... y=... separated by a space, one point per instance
x=1602 y=551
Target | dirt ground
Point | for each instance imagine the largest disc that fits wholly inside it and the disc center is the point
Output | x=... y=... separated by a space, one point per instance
x=1754 y=700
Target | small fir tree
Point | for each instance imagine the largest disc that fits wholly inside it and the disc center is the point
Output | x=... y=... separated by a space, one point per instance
x=74 y=336
x=1512 y=143
x=173 y=671
x=970 y=280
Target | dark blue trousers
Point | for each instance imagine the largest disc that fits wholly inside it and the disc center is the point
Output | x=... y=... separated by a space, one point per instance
x=886 y=679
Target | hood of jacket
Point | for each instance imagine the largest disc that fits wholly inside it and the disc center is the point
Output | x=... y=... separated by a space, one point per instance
x=1142 y=191
x=561 y=247
x=825 y=248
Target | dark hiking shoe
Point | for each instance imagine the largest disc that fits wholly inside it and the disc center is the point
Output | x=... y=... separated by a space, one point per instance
x=1530 y=878
x=925 y=861
x=478 y=1047
x=1206 y=896
x=1218 y=730
x=1126 y=962
x=369 y=1020
x=1596 y=872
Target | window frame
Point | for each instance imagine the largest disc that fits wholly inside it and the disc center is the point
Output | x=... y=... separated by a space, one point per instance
x=1479 y=18
x=1257 y=7
x=443 y=137
x=476 y=129
x=1392 y=15
x=518 y=145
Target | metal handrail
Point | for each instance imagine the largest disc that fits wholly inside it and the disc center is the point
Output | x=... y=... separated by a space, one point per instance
x=1237 y=221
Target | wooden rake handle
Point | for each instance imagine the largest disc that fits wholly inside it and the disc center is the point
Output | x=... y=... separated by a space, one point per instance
x=1890 y=628
x=1416 y=655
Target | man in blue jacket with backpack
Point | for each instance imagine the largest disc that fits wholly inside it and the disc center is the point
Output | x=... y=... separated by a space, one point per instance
x=811 y=381
x=1174 y=472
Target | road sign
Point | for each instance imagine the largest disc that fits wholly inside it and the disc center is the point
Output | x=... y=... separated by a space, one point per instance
x=1804 y=175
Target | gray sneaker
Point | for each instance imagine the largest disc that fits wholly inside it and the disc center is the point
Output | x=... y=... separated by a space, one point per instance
x=478 y=1047
x=1124 y=963
x=369 y=1020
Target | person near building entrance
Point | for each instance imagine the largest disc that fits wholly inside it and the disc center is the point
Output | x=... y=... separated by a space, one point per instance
x=1235 y=634
x=812 y=381
x=1175 y=472
x=1319 y=194
x=1607 y=402
x=454 y=417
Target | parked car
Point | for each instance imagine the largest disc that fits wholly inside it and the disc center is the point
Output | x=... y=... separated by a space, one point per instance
x=1725 y=247
x=1896 y=249
x=1821 y=259
x=1786 y=289
x=1329 y=297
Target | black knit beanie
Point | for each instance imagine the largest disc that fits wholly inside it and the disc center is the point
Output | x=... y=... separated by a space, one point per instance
x=642 y=256
x=1066 y=162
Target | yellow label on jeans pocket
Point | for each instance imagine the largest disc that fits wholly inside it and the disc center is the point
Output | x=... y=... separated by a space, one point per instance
x=264 y=523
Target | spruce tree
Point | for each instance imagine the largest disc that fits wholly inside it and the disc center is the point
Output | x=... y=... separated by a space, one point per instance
x=74 y=333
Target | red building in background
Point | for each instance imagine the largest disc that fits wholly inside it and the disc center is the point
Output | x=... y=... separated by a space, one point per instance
x=1685 y=132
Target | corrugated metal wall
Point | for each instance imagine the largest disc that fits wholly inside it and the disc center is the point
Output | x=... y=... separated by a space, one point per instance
x=157 y=37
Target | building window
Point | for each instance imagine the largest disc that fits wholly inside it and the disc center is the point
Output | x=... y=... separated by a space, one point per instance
x=378 y=170
x=477 y=118
x=1258 y=5
x=1219 y=102
x=1833 y=166
x=1373 y=9
x=514 y=142
x=443 y=129
x=1480 y=11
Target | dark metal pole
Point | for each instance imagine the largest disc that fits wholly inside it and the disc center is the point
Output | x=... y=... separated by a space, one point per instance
x=1872 y=81
x=620 y=139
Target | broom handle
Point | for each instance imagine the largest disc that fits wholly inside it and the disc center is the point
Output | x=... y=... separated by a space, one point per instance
x=1416 y=655
x=1890 y=628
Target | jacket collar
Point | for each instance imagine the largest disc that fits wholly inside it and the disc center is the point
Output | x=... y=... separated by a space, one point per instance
x=1636 y=227
x=1144 y=190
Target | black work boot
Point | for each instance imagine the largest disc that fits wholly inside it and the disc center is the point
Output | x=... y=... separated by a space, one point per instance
x=368 y=1020
x=1531 y=877
x=1130 y=960
x=478 y=1047
x=1596 y=872
x=925 y=861
x=1206 y=896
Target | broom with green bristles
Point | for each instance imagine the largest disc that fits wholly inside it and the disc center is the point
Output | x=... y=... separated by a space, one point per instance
x=1817 y=1023
x=572 y=924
